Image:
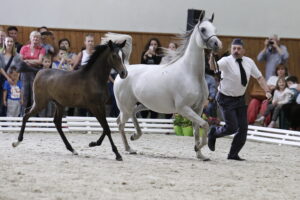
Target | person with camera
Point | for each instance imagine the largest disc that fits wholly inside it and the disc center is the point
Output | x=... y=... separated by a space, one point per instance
x=273 y=54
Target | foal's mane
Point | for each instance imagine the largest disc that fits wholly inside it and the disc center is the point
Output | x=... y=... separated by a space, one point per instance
x=184 y=40
x=99 y=49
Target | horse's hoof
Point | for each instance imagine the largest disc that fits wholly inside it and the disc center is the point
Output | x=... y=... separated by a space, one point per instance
x=206 y=159
x=15 y=144
x=132 y=138
x=75 y=153
x=93 y=144
x=133 y=152
x=119 y=158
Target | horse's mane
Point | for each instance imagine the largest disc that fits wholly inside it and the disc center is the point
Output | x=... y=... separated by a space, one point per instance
x=118 y=39
x=184 y=40
x=99 y=49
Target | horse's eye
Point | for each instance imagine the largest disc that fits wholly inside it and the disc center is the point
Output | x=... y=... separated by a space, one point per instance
x=203 y=30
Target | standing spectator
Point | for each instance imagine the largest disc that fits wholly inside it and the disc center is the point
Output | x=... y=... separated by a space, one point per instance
x=151 y=55
x=47 y=41
x=282 y=95
x=259 y=106
x=2 y=38
x=12 y=32
x=12 y=97
x=211 y=109
x=273 y=54
x=85 y=54
x=32 y=55
x=67 y=45
x=62 y=60
x=8 y=57
x=236 y=70
x=80 y=61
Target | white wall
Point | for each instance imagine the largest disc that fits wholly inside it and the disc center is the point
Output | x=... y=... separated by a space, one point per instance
x=232 y=17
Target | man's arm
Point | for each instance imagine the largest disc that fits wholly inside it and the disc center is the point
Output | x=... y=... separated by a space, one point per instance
x=263 y=84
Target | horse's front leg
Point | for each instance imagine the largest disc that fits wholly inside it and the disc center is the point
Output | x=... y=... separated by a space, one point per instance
x=99 y=113
x=197 y=123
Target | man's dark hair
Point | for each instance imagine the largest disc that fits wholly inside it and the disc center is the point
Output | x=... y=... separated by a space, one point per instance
x=10 y=28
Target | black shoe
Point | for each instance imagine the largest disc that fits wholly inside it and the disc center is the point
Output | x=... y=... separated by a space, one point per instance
x=211 y=138
x=235 y=158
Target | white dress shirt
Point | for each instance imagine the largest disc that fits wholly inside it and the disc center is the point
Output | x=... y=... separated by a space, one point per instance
x=230 y=84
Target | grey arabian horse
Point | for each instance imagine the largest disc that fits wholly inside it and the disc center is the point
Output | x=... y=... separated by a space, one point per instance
x=175 y=87
x=84 y=88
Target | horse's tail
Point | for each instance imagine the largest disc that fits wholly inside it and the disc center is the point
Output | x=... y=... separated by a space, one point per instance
x=119 y=38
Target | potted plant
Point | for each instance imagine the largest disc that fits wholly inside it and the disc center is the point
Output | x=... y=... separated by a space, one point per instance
x=187 y=127
x=178 y=124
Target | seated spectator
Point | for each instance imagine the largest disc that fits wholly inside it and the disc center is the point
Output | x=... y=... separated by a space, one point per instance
x=12 y=32
x=282 y=95
x=258 y=106
x=62 y=60
x=292 y=82
x=12 y=96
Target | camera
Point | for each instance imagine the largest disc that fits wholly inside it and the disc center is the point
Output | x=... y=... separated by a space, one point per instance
x=271 y=42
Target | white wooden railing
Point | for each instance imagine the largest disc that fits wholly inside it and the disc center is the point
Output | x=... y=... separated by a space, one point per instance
x=90 y=125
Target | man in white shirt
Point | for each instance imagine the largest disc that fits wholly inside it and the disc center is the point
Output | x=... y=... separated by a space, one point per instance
x=236 y=70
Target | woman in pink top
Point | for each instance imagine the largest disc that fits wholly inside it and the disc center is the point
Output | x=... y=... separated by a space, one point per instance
x=32 y=54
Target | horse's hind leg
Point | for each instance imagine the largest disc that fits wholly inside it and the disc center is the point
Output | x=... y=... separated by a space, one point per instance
x=58 y=121
x=34 y=110
x=138 y=133
x=121 y=121
x=99 y=113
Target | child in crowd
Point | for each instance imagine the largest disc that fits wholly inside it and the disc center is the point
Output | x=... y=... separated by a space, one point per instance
x=292 y=82
x=12 y=97
x=62 y=60
x=49 y=110
x=282 y=95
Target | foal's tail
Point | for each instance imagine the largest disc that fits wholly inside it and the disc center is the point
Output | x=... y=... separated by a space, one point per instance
x=119 y=38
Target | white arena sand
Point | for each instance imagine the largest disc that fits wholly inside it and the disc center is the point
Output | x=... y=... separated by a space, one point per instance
x=165 y=168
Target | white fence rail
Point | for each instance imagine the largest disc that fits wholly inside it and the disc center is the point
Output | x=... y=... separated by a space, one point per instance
x=90 y=125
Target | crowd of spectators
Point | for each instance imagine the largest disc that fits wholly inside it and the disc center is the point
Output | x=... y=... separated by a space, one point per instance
x=43 y=51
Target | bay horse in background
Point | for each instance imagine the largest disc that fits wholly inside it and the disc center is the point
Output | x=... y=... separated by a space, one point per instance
x=176 y=87
x=84 y=88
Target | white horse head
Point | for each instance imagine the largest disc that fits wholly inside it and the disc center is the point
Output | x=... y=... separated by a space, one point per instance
x=205 y=33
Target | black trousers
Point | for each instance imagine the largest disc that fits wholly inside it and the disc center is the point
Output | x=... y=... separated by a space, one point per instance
x=234 y=112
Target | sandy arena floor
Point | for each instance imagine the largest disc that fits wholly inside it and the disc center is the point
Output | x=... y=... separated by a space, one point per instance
x=165 y=168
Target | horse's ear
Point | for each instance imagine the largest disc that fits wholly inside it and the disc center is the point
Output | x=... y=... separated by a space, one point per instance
x=201 y=15
x=123 y=44
x=110 y=44
x=212 y=18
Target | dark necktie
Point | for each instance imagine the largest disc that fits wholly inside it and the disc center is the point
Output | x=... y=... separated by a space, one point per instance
x=243 y=73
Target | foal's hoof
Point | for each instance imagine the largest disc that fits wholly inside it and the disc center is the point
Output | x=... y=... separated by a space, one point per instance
x=15 y=144
x=93 y=144
x=119 y=158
